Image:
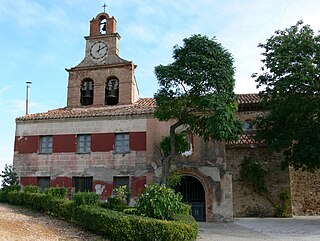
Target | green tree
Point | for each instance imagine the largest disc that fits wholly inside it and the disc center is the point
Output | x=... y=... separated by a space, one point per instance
x=291 y=95
x=197 y=93
x=9 y=176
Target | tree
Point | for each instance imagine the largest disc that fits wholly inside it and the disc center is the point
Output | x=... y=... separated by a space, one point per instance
x=196 y=92
x=9 y=176
x=292 y=95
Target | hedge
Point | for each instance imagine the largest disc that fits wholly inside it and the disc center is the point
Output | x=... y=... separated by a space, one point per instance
x=111 y=224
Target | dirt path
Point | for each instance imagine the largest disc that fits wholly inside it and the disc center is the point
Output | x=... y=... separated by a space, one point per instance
x=17 y=223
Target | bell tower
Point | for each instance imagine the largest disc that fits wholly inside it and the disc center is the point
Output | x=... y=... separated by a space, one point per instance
x=102 y=78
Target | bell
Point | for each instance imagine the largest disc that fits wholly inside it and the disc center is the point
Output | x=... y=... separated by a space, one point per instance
x=112 y=98
x=104 y=27
x=87 y=94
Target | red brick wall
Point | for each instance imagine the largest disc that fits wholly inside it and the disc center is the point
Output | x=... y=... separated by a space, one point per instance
x=138 y=141
x=28 y=181
x=26 y=144
x=137 y=185
x=64 y=143
x=102 y=142
x=61 y=182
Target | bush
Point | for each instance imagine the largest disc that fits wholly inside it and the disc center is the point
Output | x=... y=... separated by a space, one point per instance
x=86 y=198
x=6 y=190
x=57 y=192
x=161 y=202
x=31 y=189
x=118 y=226
x=111 y=224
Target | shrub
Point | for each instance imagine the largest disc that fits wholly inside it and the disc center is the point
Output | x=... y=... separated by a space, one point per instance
x=161 y=202
x=111 y=224
x=118 y=202
x=57 y=192
x=118 y=226
x=6 y=190
x=31 y=189
x=86 y=198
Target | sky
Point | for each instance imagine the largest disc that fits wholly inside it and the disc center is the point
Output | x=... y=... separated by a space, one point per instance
x=39 y=39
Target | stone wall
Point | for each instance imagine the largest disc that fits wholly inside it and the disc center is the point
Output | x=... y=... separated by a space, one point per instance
x=305 y=189
x=247 y=202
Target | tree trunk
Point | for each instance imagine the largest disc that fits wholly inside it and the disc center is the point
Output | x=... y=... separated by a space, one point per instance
x=166 y=165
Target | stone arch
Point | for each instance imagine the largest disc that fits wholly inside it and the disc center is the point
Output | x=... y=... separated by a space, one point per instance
x=207 y=186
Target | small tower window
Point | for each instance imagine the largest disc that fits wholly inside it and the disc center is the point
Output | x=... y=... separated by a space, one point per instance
x=87 y=92
x=248 y=125
x=112 y=92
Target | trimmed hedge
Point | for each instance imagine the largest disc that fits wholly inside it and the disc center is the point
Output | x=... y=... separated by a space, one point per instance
x=111 y=224
x=119 y=226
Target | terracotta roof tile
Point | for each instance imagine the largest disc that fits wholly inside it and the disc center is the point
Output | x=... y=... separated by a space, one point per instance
x=141 y=107
x=248 y=99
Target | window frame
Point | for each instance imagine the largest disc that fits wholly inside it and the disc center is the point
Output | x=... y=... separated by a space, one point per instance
x=80 y=183
x=46 y=144
x=124 y=146
x=44 y=179
x=87 y=144
x=115 y=181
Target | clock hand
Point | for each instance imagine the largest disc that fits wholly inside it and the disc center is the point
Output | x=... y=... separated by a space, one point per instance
x=99 y=49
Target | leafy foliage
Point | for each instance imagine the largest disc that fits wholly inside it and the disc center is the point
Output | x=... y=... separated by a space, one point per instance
x=161 y=202
x=283 y=210
x=9 y=176
x=119 y=201
x=109 y=223
x=85 y=198
x=57 y=192
x=292 y=95
x=196 y=91
x=253 y=172
x=31 y=189
x=181 y=141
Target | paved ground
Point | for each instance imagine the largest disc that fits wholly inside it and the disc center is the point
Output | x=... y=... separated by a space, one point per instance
x=286 y=229
x=17 y=223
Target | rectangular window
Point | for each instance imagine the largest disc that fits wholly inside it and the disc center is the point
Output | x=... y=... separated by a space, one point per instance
x=43 y=182
x=82 y=184
x=121 y=181
x=122 y=143
x=46 y=144
x=84 y=143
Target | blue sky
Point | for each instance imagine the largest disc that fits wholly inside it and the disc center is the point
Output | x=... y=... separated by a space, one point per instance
x=39 y=39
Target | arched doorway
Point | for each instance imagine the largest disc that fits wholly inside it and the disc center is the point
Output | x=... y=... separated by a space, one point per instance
x=193 y=193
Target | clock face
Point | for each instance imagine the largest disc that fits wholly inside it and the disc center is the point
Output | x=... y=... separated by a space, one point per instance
x=98 y=50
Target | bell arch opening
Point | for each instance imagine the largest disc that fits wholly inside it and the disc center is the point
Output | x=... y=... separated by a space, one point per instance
x=112 y=91
x=87 y=92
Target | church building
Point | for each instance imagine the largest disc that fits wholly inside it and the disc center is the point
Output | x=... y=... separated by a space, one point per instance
x=107 y=136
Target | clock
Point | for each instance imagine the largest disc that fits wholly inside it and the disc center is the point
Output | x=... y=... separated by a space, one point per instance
x=98 y=50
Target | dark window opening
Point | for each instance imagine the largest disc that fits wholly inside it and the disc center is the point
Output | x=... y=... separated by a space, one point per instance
x=87 y=92
x=248 y=125
x=112 y=92
x=43 y=182
x=121 y=181
x=82 y=184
